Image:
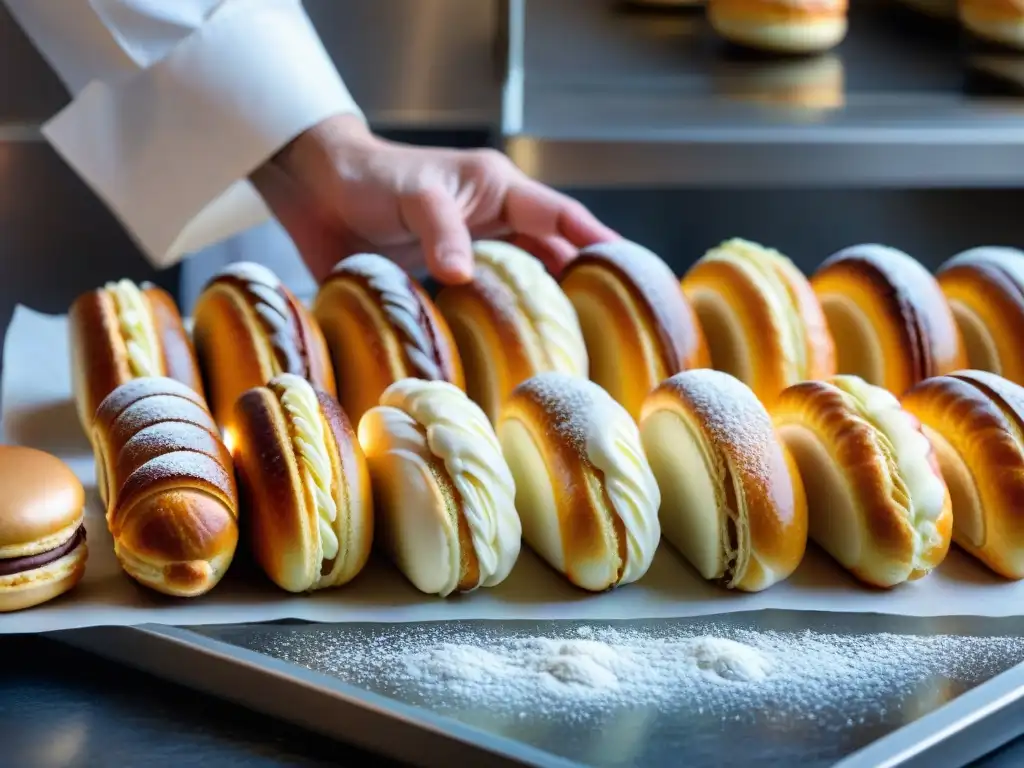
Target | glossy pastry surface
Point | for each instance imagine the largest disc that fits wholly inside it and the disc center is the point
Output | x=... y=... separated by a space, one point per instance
x=444 y=496
x=43 y=551
x=511 y=322
x=876 y=499
x=888 y=317
x=985 y=290
x=382 y=327
x=306 y=485
x=638 y=326
x=172 y=503
x=760 y=316
x=781 y=26
x=585 y=492
x=975 y=421
x=121 y=332
x=999 y=21
x=250 y=328
x=732 y=501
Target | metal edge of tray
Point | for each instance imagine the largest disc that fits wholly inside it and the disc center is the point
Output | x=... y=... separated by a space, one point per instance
x=961 y=731
x=314 y=701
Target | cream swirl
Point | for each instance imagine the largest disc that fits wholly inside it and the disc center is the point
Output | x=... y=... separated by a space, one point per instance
x=309 y=439
x=136 y=327
x=460 y=435
x=548 y=308
x=756 y=262
x=907 y=450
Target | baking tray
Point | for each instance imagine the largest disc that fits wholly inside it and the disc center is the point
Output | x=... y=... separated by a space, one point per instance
x=904 y=716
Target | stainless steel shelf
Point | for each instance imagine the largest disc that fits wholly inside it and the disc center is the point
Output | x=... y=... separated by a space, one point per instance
x=600 y=96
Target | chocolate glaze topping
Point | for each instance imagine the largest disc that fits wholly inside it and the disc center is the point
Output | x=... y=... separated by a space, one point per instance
x=13 y=565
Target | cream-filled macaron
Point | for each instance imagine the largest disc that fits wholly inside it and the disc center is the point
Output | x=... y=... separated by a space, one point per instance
x=584 y=490
x=732 y=501
x=444 y=496
x=876 y=498
x=42 y=532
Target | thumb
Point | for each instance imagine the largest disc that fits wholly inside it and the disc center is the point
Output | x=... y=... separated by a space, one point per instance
x=436 y=219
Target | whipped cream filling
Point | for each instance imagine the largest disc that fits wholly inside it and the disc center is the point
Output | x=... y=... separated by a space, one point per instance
x=460 y=435
x=909 y=450
x=309 y=439
x=756 y=262
x=137 y=329
x=548 y=308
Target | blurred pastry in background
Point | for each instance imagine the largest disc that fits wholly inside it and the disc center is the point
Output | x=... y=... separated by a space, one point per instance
x=511 y=321
x=876 y=498
x=732 y=501
x=816 y=83
x=939 y=9
x=985 y=290
x=382 y=327
x=586 y=495
x=781 y=26
x=999 y=21
x=638 y=326
x=665 y=3
x=761 y=318
x=975 y=421
x=889 y=319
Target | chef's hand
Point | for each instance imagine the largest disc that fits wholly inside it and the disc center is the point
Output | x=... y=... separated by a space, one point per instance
x=339 y=190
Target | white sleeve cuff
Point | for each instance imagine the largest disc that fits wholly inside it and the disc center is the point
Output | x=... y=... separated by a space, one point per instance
x=169 y=149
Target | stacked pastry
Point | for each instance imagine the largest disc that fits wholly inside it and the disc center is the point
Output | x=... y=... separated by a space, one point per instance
x=781 y=26
x=638 y=326
x=761 y=318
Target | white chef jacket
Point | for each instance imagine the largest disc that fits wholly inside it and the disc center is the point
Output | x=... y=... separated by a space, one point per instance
x=175 y=102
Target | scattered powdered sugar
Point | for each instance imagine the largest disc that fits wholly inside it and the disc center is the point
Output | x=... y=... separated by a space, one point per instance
x=157 y=410
x=578 y=407
x=583 y=672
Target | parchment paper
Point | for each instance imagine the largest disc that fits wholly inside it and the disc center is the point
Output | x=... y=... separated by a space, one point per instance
x=38 y=412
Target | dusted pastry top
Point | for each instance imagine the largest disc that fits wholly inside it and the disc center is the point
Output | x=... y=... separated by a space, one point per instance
x=758 y=263
x=459 y=434
x=585 y=416
x=135 y=324
x=11 y=566
x=916 y=486
x=309 y=440
x=549 y=310
x=276 y=315
x=403 y=308
x=1008 y=261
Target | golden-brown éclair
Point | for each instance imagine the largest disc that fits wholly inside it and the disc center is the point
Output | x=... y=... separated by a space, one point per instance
x=382 y=327
x=510 y=322
x=638 y=326
x=585 y=492
x=781 y=26
x=124 y=331
x=999 y=21
x=889 y=319
x=985 y=290
x=975 y=421
x=761 y=318
x=250 y=328
x=876 y=499
x=305 y=485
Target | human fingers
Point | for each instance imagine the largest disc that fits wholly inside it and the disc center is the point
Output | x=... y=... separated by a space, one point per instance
x=533 y=209
x=433 y=216
x=555 y=252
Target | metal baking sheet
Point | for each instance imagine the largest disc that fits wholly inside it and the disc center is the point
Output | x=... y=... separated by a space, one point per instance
x=911 y=715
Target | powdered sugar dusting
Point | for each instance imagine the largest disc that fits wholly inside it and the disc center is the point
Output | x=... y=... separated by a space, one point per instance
x=186 y=468
x=166 y=437
x=574 y=404
x=136 y=389
x=161 y=408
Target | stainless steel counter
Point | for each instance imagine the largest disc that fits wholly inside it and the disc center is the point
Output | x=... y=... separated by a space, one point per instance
x=599 y=95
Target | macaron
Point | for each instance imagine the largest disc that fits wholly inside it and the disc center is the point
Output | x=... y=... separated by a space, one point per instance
x=42 y=531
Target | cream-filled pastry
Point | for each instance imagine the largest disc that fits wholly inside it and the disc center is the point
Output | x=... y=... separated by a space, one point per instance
x=876 y=498
x=637 y=324
x=1000 y=21
x=975 y=421
x=584 y=489
x=304 y=476
x=732 y=501
x=781 y=26
x=510 y=322
x=444 y=496
x=760 y=316
x=122 y=332
x=890 y=322
x=985 y=290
